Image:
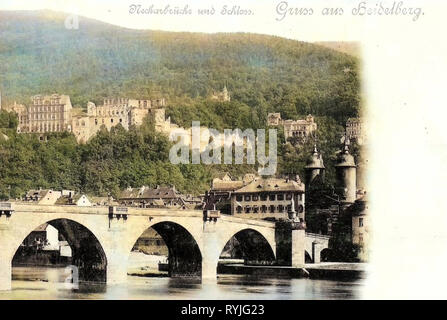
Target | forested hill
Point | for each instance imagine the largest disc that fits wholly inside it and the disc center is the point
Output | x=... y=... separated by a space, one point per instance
x=39 y=55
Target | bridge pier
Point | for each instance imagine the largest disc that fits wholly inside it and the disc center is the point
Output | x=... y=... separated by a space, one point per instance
x=290 y=244
x=315 y=244
x=316 y=252
x=211 y=250
x=298 y=248
x=117 y=253
x=117 y=272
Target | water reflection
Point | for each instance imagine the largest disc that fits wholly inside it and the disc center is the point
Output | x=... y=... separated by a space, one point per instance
x=48 y=283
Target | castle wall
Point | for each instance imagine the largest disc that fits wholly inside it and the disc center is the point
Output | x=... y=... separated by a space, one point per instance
x=54 y=113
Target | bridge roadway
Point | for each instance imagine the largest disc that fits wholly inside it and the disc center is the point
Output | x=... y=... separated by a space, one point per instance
x=101 y=242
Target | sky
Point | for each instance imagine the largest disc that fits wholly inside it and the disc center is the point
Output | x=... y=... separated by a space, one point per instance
x=266 y=18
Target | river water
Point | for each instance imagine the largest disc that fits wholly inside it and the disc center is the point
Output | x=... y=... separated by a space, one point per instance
x=48 y=283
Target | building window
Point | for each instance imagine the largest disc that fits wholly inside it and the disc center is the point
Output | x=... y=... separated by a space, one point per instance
x=255 y=198
x=247 y=198
x=281 y=208
x=247 y=209
x=360 y=222
x=288 y=196
x=239 y=209
x=255 y=209
x=239 y=198
x=263 y=197
x=272 y=209
x=280 y=197
x=263 y=209
x=111 y=120
x=272 y=197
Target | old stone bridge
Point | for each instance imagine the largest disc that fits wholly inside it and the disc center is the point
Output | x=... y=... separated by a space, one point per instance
x=102 y=238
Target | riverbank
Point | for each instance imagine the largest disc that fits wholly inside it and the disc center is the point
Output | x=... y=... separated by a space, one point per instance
x=145 y=265
x=337 y=270
x=328 y=270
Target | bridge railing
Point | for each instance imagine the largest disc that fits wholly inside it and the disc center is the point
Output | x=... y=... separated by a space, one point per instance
x=6 y=209
x=5 y=206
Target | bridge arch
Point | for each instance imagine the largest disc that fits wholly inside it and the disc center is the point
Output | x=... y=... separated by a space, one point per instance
x=183 y=242
x=88 y=254
x=251 y=245
x=315 y=244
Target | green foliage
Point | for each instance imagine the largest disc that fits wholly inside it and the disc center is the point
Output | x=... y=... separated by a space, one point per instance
x=8 y=120
x=217 y=115
x=263 y=74
x=328 y=136
x=266 y=73
x=108 y=163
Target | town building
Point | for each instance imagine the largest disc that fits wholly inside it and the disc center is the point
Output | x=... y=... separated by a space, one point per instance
x=150 y=242
x=269 y=198
x=295 y=131
x=46 y=237
x=42 y=196
x=256 y=197
x=219 y=196
x=80 y=200
x=356 y=130
x=43 y=246
x=360 y=226
x=46 y=113
x=159 y=197
x=53 y=197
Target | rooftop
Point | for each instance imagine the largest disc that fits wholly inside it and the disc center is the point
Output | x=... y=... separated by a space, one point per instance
x=150 y=193
x=271 y=184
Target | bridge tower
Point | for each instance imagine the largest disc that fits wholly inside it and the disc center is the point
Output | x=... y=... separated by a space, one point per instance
x=314 y=167
x=290 y=240
x=346 y=174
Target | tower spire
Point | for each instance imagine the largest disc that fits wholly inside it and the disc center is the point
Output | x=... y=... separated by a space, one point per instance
x=346 y=173
x=315 y=144
x=314 y=166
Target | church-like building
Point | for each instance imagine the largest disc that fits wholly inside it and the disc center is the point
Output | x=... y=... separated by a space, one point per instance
x=222 y=96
